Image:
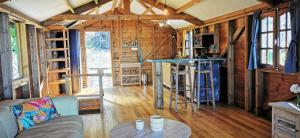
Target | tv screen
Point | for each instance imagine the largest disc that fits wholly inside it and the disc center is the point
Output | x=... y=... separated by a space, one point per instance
x=207 y=40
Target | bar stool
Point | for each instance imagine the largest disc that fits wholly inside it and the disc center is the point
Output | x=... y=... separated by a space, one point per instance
x=175 y=72
x=197 y=82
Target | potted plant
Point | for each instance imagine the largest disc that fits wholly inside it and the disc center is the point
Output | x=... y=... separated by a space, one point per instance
x=296 y=89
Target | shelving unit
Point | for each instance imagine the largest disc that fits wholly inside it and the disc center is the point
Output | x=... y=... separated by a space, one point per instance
x=130 y=67
x=57 y=58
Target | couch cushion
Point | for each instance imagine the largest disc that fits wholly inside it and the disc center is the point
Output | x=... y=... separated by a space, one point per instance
x=60 y=127
x=8 y=124
x=30 y=113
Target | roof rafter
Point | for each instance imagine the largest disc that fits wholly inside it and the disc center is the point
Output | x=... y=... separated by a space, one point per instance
x=147 y=8
x=126 y=6
x=120 y=17
x=114 y=4
x=78 y=10
x=69 y=6
x=172 y=11
x=187 y=5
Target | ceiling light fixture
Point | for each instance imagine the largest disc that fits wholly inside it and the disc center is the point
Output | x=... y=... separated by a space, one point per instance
x=166 y=10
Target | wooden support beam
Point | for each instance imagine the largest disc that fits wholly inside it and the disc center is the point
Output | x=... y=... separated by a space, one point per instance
x=69 y=6
x=172 y=11
x=230 y=63
x=2 y=1
x=78 y=10
x=34 y=76
x=121 y=3
x=269 y=2
x=146 y=7
x=5 y=59
x=126 y=6
x=17 y=14
x=120 y=17
x=187 y=5
x=114 y=4
x=96 y=1
x=238 y=33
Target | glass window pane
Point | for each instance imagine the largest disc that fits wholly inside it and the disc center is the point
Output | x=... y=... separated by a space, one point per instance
x=263 y=40
x=15 y=51
x=263 y=54
x=282 y=39
x=270 y=23
x=264 y=25
x=283 y=21
x=270 y=40
x=282 y=56
x=288 y=20
x=270 y=57
x=289 y=38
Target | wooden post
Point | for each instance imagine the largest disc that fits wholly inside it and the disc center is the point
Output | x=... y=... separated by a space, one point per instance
x=259 y=92
x=157 y=85
x=33 y=61
x=230 y=63
x=101 y=91
x=5 y=59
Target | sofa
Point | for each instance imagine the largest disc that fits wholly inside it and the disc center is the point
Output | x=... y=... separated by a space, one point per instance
x=68 y=125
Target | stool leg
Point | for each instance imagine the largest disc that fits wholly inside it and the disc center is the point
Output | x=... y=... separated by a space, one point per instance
x=212 y=84
x=190 y=86
x=206 y=90
x=177 y=91
x=198 y=86
x=171 y=90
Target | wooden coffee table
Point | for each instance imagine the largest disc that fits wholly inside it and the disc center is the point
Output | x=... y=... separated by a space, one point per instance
x=172 y=129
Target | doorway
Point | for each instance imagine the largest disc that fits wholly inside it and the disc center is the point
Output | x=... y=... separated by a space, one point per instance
x=98 y=55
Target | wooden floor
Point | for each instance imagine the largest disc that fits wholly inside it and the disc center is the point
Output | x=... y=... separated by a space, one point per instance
x=124 y=104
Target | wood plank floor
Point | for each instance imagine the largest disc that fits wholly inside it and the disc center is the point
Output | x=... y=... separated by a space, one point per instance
x=124 y=104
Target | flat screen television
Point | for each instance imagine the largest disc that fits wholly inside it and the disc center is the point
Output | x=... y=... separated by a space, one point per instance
x=207 y=40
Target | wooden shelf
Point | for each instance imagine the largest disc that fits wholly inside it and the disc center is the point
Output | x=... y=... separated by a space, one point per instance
x=56 y=39
x=59 y=70
x=57 y=49
x=62 y=81
x=57 y=59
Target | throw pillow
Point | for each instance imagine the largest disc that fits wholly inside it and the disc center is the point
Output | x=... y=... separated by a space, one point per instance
x=30 y=113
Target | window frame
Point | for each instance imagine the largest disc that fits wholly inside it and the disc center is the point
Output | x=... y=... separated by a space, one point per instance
x=20 y=63
x=276 y=13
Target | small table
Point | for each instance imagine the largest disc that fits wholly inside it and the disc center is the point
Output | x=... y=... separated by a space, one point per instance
x=171 y=129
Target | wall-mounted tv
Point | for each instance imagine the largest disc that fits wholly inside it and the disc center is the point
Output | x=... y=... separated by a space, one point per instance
x=207 y=40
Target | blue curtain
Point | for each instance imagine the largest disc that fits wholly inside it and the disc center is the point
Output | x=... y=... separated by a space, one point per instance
x=75 y=57
x=291 y=58
x=203 y=83
x=252 y=64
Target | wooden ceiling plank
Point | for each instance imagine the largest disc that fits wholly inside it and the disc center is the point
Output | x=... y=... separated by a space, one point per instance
x=269 y=2
x=120 y=17
x=171 y=11
x=69 y=6
x=186 y=6
x=78 y=10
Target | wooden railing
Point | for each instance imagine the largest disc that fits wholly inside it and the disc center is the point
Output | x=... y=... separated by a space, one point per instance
x=99 y=74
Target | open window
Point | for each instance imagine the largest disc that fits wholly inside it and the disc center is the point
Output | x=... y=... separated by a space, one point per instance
x=15 y=51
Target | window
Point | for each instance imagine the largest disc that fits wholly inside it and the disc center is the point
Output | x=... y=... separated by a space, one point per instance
x=16 y=64
x=267 y=40
x=284 y=36
x=275 y=36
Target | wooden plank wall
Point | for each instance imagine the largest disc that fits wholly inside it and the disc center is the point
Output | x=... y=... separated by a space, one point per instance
x=155 y=43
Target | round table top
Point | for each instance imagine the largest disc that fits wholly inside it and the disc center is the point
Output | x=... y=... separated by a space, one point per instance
x=171 y=129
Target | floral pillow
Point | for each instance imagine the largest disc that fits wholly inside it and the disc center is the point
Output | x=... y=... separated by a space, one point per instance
x=31 y=113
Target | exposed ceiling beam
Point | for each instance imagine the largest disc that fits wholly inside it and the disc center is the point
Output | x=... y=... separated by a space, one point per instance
x=96 y=1
x=19 y=15
x=172 y=11
x=120 y=17
x=2 y=1
x=78 y=10
x=269 y=2
x=126 y=6
x=120 y=6
x=157 y=2
x=69 y=6
x=187 y=5
x=114 y=4
x=146 y=7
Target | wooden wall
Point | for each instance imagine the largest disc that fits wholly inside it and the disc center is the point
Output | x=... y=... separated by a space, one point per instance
x=155 y=43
